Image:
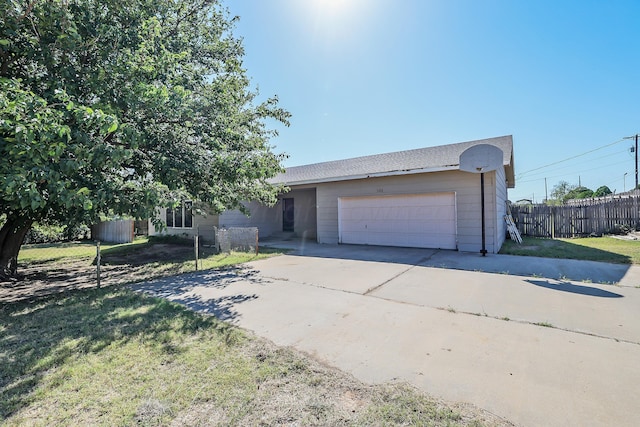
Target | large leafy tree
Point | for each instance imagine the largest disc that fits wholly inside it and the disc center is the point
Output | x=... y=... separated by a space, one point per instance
x=117 y=107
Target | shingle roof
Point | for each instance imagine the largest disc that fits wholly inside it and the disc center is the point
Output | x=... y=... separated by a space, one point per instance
x=429 y=159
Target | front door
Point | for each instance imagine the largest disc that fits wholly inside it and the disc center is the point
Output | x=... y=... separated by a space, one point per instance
x=287 y=214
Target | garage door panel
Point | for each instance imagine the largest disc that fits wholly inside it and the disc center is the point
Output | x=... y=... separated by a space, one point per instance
x=400 y=227
x=377 y=226
x=430 y=241
x=427 y=228
x=418 y=220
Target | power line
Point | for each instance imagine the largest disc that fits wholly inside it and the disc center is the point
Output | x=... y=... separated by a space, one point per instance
x=545 y=173
x=531 y=179
x=572 y=157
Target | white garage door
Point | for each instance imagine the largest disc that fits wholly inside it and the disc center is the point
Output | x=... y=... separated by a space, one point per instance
x=416 y=220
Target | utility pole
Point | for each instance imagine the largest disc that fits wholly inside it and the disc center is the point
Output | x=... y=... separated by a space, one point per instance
x=636 y=152
x=546 y=196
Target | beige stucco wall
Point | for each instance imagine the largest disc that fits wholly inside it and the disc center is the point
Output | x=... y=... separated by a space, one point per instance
x=269 y=220
x=202 y=226
x=465 y=185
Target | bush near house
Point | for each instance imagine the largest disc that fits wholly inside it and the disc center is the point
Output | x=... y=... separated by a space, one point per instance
x=43 y=233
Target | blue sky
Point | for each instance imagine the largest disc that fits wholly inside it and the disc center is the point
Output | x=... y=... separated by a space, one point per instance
x=372 y=76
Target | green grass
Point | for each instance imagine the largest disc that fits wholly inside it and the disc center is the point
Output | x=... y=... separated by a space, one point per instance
x=606 y=249
x=143 y=259
x=544 y=324
x=114 y=357
x=234 y=258
x=84 y=249
x=170 y=267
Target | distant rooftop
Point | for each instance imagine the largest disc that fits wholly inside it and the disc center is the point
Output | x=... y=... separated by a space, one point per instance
x=421 y=160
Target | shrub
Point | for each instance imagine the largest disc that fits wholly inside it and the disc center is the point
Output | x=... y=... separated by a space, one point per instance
x=49 y=233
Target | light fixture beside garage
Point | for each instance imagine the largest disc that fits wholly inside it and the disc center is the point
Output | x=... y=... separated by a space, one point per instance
x=481 y=158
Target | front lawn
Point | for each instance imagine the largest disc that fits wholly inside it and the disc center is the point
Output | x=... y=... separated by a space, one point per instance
x=58 y=267
x=605 y=249
x=49 y=252
x=114 y=357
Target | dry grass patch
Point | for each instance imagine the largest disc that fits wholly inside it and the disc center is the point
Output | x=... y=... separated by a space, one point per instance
x=115 y=357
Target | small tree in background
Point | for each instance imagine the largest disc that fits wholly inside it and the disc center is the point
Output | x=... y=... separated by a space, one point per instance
x=559 y=193
x=564 y=191
x=602 y=191
x=578 y=193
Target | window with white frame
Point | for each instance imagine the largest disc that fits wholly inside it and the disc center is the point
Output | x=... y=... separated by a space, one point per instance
x=180 y=217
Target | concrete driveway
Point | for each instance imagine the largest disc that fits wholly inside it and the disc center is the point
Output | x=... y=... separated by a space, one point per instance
x=536 y=350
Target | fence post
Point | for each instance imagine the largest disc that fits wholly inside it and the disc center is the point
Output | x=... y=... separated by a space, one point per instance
x=257 y=231
x=98 y=262
x=636 y=212
x=195 y=248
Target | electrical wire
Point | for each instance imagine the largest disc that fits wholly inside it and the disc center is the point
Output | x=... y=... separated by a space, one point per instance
x=579 y=163
x=568 y=173
x=572 y=157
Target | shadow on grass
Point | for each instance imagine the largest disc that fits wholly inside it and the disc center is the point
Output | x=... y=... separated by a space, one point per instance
x=39 y=336
x=551 y=248
x=121 y=264
x=182 y=289
x=147 y=253
x=575 y=289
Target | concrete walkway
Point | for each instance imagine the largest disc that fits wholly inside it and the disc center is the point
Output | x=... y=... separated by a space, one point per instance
x=562 y=269
x=534 y=350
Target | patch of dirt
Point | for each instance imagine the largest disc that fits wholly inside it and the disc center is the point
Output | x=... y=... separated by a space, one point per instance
x=42 y=279
x=160 y=252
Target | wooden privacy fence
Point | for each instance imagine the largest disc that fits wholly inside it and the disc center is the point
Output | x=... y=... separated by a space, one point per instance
x=609 y=217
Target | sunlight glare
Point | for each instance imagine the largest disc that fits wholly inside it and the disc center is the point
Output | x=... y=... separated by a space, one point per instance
x=336 y=24
x=332 y=8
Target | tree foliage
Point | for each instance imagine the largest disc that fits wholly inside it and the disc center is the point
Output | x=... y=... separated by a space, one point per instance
x=559 y=192
x=111 y=107
x=564 y=191
x=602 y=191
x=578 y=193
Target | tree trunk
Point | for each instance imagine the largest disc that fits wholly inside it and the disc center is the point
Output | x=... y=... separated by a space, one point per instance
x=11 y=236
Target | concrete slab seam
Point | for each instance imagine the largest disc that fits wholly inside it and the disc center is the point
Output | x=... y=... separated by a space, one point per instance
x=315 y=285
x=524 y=322
x=375 y=288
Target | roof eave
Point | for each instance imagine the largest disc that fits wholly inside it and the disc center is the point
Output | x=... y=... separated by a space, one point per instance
x=370 y=175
